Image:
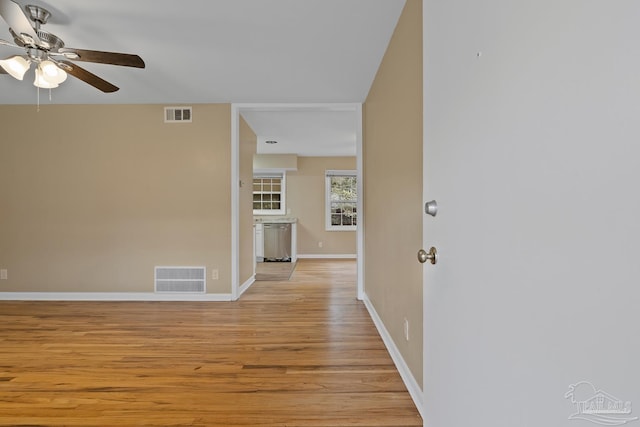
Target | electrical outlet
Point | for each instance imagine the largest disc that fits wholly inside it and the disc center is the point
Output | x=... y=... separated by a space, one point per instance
x=214 y=274
x=3 y=274
x=319 y=244
x=406 y=329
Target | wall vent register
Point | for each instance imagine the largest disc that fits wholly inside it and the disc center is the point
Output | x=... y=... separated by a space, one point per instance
x=180 y=280
x=177 y=114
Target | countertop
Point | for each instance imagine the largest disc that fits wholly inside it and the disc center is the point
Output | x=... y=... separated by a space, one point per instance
x=276 y=220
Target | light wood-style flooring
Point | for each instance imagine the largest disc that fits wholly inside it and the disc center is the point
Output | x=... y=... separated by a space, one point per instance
x=278 y=271
x=298 y=353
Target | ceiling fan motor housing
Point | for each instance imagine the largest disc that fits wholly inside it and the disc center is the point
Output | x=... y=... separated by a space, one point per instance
x=48 y=41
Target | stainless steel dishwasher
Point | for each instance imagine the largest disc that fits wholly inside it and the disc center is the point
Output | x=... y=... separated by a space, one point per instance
x=277 y=242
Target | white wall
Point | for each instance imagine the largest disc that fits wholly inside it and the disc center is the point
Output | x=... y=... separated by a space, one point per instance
x=534 y=149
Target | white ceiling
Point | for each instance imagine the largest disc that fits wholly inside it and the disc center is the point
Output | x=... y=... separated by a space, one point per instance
x=305 y=131
x=211 y=51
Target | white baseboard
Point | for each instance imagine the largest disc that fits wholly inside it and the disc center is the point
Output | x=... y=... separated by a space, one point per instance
x=328 y=256
x=110 y=296
x=407 y=377
x=246 y=285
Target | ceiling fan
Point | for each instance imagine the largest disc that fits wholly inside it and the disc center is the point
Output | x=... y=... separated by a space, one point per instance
x=49 y=53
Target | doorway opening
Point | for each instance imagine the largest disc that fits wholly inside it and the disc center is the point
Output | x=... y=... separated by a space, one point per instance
x=310 y=117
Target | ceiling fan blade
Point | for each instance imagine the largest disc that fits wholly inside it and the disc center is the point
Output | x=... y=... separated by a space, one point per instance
x=18 y=21
x=88 y=77
x=6 y=43
x=113 y=58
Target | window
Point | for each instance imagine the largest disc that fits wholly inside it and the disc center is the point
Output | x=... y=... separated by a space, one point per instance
x=269 y=194
x=341 y=200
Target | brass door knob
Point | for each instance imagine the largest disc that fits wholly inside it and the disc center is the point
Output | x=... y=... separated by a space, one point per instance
x=424 y=256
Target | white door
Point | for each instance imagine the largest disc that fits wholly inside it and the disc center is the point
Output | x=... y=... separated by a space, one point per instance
x=532 y=151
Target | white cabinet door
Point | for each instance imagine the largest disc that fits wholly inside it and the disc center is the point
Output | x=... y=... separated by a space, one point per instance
x=259 y=243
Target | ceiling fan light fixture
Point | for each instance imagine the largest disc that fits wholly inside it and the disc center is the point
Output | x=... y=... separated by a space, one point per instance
x=25 y=25
x=16 y=65
x=42 y=81
x=52 y=73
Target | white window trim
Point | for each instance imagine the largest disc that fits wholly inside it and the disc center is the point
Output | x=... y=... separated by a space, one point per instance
x=283 y=192
x=327 y=201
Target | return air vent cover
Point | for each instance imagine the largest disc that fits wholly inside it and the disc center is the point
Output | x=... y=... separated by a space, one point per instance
x=180 y=279
x=177 y=114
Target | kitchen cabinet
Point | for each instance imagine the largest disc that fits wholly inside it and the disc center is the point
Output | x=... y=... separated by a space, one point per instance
x=259 y=239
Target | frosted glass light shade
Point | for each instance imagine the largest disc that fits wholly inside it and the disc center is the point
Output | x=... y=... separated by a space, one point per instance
x=41 y=80
x=16 y=66
x=52 y=73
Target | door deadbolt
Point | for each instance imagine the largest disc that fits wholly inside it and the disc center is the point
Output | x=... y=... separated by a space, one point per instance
x=431 y=256
x=431 y=208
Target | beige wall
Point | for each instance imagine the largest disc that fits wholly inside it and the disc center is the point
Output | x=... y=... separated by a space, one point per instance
x=248 y=143
x=93 y=197
x=306 y=199
x=392 y=167
x=275 y=161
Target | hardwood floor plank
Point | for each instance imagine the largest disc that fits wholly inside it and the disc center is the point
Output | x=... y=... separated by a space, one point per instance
x=301 y=352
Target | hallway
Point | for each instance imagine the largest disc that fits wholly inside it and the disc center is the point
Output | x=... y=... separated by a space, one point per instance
x=297 y=353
